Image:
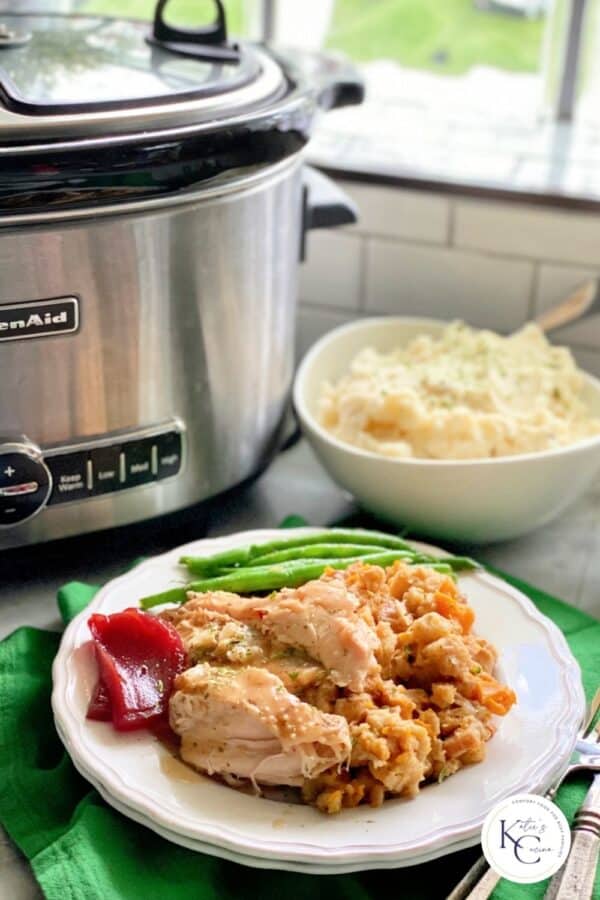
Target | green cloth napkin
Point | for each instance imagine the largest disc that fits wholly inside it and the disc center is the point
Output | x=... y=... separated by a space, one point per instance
x=81 y=849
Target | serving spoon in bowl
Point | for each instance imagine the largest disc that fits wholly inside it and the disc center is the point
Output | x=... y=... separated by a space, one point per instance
x=582 y=302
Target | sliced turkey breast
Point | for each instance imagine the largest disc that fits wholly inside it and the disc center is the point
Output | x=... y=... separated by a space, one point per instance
x=321 y=618
x=243 y=722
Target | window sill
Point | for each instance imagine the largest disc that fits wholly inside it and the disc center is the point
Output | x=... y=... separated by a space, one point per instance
x=399 y=137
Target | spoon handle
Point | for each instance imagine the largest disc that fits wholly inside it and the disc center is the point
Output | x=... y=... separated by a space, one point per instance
x=576 y=305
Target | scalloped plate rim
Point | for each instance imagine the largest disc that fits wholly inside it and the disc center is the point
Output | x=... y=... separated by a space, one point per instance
x=223 y=836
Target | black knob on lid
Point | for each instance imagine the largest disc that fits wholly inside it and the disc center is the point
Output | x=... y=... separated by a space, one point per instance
x=208 y=42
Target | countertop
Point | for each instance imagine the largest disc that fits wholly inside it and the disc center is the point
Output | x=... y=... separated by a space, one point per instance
x=559 y=559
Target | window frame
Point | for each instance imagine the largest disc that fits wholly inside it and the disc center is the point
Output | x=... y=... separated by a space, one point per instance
x=570 y=63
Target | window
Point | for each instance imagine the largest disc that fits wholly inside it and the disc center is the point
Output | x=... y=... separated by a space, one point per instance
x=447 y=38
x=537 y=42
x=502 y=93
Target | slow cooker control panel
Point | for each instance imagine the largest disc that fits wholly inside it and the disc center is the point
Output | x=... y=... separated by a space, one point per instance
x=32 y=478
x=25 y=481
x=114 y=464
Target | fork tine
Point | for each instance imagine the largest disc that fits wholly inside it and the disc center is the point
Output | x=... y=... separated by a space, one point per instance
x=479 y=882
x=591 y=712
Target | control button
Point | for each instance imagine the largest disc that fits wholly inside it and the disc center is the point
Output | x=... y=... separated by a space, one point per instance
x=168 y=454
x=14 y=490
x=105 y=469
x=14 y=510
x=19 y=468
x=70 y=476
x=138 y=463
x=24 y=483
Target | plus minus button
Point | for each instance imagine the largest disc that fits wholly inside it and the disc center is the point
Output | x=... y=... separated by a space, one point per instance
x=9 y=471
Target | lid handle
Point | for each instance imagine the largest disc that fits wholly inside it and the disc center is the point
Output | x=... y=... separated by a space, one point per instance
x=208 y=42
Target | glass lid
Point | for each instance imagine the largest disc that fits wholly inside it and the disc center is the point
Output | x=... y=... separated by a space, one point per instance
x=64 y=64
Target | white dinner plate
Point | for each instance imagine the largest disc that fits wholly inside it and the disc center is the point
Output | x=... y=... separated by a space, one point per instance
x=134 y=772
x=260 y=863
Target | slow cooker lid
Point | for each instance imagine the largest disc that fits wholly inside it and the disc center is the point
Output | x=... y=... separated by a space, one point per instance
x=96 y=112
x=72 y=65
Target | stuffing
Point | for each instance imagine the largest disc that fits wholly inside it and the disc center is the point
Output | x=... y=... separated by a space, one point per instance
x=382 y=664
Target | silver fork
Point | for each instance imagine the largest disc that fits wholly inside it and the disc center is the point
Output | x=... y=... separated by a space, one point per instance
x=480 y=880
x=575 y=879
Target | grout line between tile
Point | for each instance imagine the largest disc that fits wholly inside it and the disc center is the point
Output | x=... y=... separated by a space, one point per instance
x=450 y=241
x=454 y=248
x=451 y=228
x=312 y=306
x=493 y=254
x=385 y=236
x=551 y=260
x=533 y=290
x=362 y=289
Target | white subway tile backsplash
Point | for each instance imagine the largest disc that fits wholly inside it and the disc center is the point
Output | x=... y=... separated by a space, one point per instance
x=331 y=273
x=312 y=323
x=555 y=283
x=395 y=212
x=411 y=279
x=396 y=260
x=519 y=230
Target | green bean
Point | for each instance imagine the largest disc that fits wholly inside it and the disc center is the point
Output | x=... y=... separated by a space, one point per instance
x=324 y=551
x=335 y=536
x=456 y=563
x=253 y=578
x=174 y=595
x=274 y=577
x=241 y=556
x=205 y=565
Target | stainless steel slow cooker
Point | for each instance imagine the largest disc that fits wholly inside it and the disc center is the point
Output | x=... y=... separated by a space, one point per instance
x=153 y=207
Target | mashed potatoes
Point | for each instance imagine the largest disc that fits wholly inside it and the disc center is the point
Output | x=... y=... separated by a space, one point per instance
x=466 y=394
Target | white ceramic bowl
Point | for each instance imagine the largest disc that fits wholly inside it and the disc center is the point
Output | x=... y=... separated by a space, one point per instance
x=465 y=500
